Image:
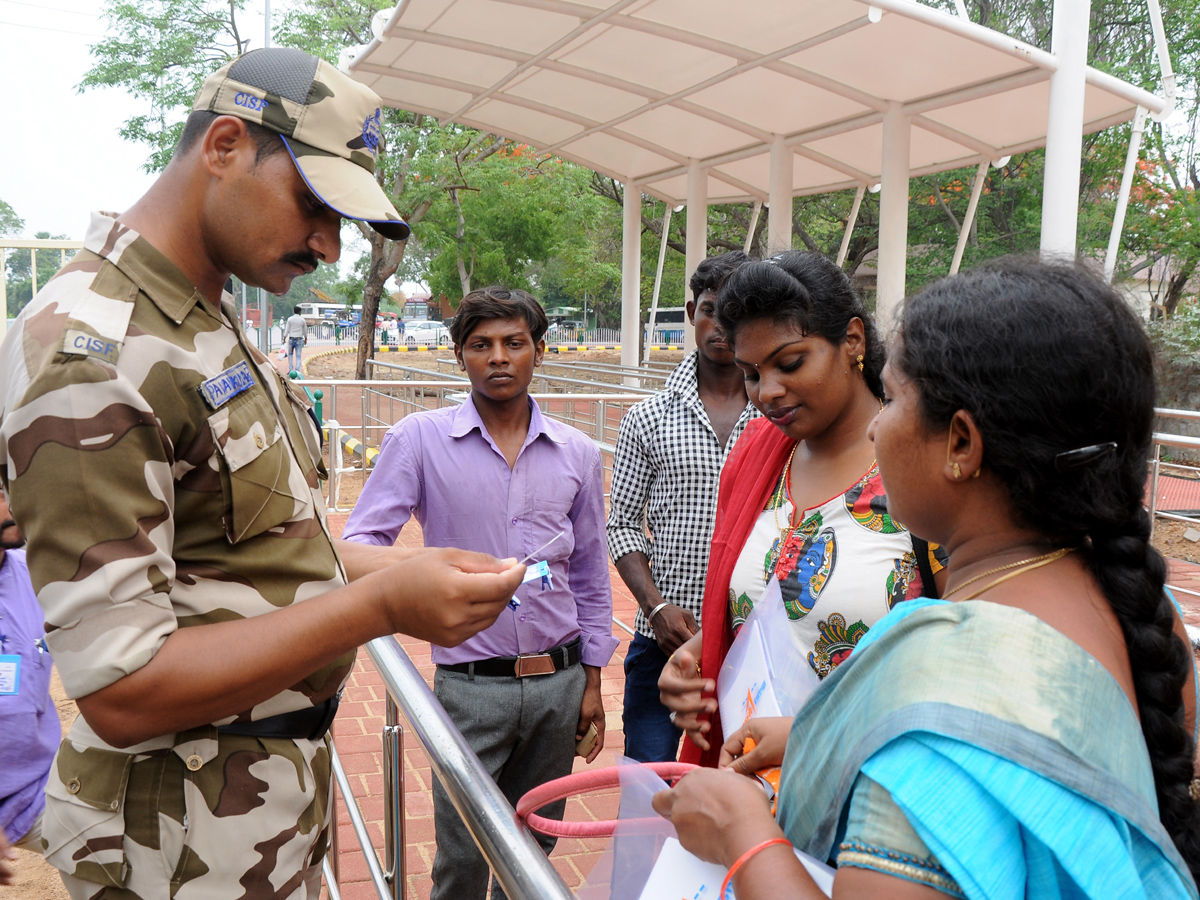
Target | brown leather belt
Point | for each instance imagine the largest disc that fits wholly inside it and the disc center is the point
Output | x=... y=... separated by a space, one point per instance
x=546 y=663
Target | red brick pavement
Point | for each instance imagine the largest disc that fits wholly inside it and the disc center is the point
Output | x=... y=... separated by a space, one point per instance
x=1186 y=575
x=357 y=735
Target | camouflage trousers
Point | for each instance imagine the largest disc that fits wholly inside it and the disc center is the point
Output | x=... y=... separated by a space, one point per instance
x=249 y=823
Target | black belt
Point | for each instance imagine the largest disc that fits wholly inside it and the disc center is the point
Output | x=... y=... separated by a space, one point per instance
x=302 y=724
x=552 y=660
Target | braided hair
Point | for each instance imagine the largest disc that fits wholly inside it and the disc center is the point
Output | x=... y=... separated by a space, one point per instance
x=805 y=290
x=1049 y=360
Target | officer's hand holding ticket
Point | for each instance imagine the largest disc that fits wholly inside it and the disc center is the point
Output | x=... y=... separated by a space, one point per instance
x=446 y=596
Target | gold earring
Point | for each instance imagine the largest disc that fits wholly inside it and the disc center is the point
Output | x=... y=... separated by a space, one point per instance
x=860 y=362
x=977 y=471
x=957 y=472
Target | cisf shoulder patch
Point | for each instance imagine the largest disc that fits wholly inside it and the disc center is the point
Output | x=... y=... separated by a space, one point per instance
x=80 y=343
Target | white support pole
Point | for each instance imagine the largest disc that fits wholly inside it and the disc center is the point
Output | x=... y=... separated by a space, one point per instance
x=1064 y=128
x=779 y=218
x=697 y=237
x=1164 y=59
x=892 y=262
x=754 y=214
x=662 y=255
x=33 y=270
x=1118 y=225
x=850 y=223
x=969 y=218
x=631 y=278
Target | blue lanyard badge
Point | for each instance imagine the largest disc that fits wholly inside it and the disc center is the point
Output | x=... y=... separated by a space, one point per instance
x=10 y=673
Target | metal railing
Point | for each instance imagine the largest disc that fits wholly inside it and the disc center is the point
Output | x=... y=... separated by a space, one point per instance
x=1157 y=464
x=519 y=864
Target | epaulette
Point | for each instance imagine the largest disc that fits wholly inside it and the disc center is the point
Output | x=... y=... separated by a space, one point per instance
x=99 y=322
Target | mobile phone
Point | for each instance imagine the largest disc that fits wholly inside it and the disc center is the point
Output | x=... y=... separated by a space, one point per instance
x=585 y=744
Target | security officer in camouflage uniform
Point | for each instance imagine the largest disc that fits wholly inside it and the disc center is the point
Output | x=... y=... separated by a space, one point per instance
x=167 y=480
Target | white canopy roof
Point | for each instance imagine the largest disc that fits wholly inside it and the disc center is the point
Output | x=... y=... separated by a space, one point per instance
x=636 y=89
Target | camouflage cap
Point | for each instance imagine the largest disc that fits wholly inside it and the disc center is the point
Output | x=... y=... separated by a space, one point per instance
x=329 y=123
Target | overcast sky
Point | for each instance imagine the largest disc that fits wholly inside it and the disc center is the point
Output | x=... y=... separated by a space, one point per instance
x=62 y=156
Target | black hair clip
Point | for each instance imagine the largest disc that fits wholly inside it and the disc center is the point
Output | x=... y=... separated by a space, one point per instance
x=1083 y=456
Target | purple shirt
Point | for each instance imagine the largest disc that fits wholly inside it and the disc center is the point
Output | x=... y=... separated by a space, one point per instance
x=443 y=467
x=28 y=719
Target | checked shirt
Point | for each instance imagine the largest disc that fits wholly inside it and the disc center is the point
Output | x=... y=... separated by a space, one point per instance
x=666 y=473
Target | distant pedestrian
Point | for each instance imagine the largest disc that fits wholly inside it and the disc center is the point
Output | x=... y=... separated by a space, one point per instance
x=296 y=333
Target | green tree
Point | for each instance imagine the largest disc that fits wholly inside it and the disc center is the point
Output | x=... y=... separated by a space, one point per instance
x=160 y=52
x=10 y=222
x=19 y=270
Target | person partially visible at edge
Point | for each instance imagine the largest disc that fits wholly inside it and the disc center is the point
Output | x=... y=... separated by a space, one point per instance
x=496 y=475
x=800 y=498
x=28 y=719
x=1032 y=734
x=166 y=476
x=295 y=331
x=670 y=450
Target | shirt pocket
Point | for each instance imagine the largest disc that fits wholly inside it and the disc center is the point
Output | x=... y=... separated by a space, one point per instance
x=84 y=825
x=549 y=527
x=255 y=463
x=306 y=424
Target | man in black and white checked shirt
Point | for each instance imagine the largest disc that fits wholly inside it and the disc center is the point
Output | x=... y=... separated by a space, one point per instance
x=668 y=463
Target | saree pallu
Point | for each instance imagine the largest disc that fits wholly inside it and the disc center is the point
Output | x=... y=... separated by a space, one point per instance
x=1013 y=754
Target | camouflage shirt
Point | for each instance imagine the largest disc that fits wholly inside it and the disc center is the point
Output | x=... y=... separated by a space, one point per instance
x=165 y=476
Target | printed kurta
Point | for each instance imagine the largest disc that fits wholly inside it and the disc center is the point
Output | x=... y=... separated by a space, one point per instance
x=165 y=476
x=846 y=560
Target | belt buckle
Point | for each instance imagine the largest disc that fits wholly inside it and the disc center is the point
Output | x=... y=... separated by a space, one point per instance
x=534 y=664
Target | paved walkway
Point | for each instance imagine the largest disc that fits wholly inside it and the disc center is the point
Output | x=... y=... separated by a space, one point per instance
x=1186 y=575
x=357 y=735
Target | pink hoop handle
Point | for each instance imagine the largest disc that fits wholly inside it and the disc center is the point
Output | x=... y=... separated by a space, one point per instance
x=579 y=783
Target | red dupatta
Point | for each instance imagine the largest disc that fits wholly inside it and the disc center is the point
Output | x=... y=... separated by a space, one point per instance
x=750 y=475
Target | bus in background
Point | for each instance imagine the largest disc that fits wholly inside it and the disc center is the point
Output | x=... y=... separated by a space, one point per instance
x=668 y=325
x=329 y=311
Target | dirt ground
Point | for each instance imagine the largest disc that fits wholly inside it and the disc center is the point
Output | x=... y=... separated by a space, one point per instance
x=1169 y=541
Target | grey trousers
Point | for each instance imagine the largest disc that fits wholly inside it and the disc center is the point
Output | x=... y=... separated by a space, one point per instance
x=523 y=731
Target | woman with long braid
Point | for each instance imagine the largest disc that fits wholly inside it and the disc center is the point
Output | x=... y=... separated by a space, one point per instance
x=1031 y=735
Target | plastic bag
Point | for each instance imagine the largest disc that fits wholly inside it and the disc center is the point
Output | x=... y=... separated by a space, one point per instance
x=645 y=861
x=765 y=672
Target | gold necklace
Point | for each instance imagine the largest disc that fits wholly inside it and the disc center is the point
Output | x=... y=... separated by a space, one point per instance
x=787 y=470
x=1022 y=566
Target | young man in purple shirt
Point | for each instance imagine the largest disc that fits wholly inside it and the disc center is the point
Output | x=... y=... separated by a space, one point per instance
x=28 y=719
x=495 y=475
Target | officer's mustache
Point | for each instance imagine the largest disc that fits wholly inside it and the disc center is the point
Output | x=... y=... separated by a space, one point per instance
x=302 y=259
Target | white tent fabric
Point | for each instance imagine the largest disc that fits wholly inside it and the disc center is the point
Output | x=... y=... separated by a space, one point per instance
x=639 y=89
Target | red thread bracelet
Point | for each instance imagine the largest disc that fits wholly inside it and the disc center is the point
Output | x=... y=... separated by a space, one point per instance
x=741 y=861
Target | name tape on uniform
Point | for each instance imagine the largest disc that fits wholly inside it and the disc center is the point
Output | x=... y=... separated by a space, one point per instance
x=220 y=389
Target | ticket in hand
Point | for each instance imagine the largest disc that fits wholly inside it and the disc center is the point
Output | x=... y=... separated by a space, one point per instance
x=532 y=572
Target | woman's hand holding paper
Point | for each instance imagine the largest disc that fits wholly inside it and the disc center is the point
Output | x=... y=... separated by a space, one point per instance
x=770 y=740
